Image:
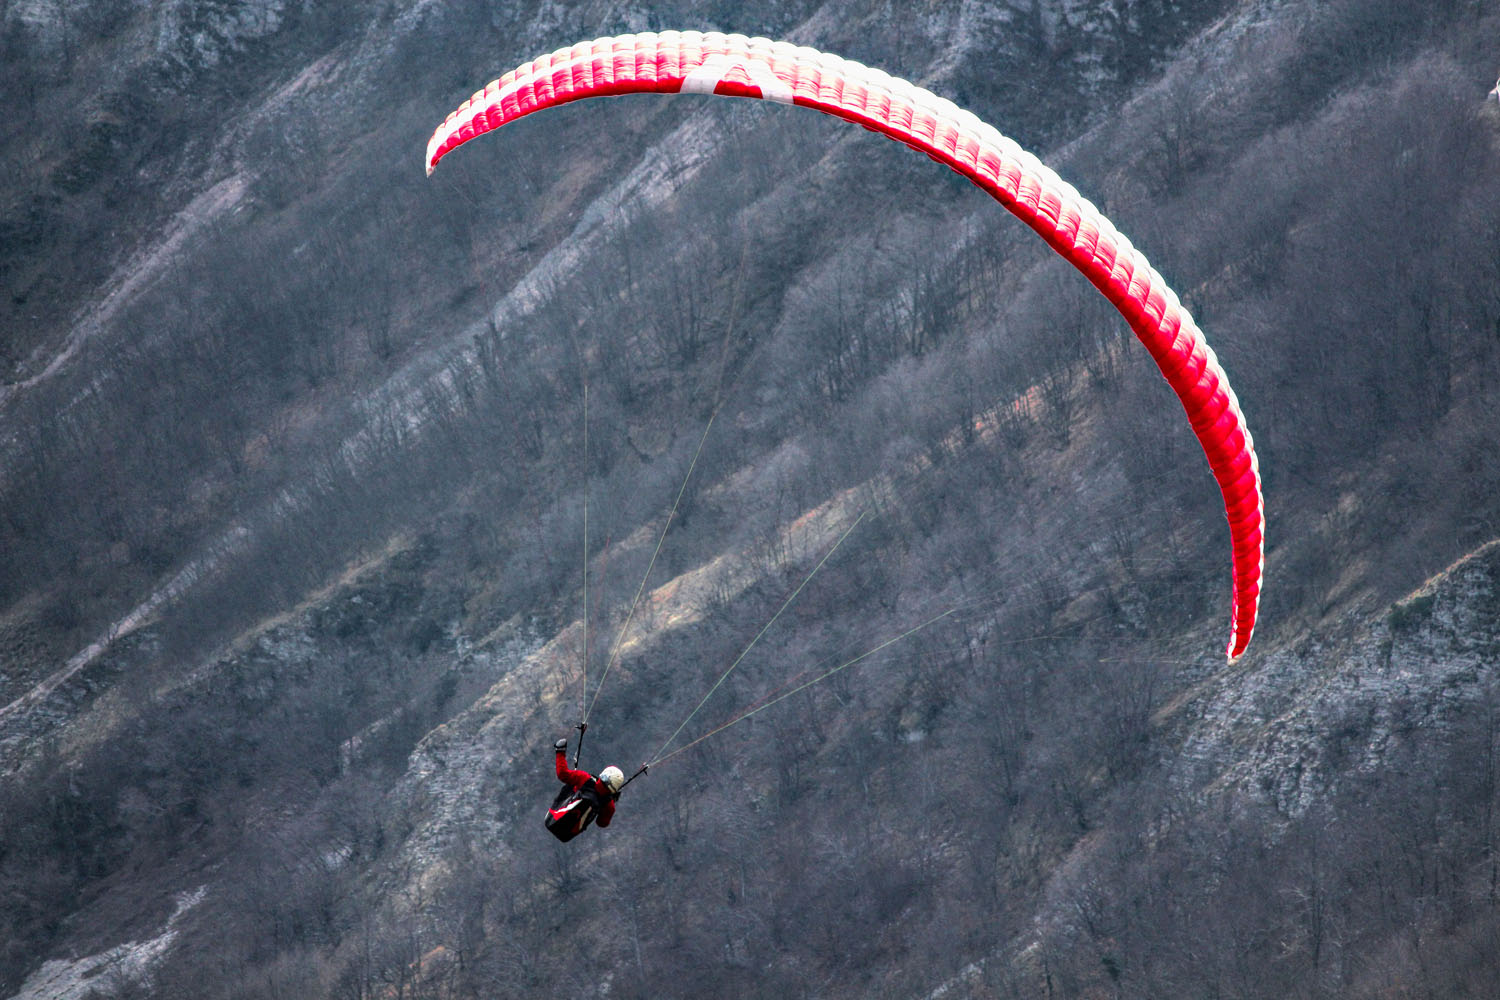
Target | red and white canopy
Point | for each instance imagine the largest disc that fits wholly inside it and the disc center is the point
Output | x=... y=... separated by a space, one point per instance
x=690 y=62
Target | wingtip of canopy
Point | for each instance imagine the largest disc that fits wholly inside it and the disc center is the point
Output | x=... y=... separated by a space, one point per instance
x=1236 y=649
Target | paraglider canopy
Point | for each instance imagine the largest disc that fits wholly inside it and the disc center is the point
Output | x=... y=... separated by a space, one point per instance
x=735 y=66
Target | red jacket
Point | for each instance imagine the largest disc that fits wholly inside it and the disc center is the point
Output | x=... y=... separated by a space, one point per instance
x=574 y=779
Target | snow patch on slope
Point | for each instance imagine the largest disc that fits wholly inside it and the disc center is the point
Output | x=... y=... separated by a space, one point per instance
x=130 y=963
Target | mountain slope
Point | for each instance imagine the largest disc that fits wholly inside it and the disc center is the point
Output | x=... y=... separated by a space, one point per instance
x=294 y=487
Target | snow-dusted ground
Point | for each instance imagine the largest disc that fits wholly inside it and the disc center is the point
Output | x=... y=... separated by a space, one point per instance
x=132 y=963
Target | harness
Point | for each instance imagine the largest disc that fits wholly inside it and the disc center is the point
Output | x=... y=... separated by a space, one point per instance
x=574 y=809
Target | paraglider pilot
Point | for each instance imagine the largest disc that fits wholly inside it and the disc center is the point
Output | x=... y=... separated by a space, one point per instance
x=583 y=798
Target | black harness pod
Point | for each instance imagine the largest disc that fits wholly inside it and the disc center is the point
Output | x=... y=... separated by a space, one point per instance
x=573 y=810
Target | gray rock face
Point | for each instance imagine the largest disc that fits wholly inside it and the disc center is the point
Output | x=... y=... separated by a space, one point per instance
x=296 y=502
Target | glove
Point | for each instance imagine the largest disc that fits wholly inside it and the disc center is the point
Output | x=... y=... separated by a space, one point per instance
x=560 y=745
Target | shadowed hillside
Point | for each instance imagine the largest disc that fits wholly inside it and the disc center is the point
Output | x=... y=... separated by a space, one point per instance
x=304 y=459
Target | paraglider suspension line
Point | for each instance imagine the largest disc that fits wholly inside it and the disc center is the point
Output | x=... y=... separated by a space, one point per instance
x=803 y=687
x=583 y=692
x=785 y=604
x=620 y=636
x=632 y=778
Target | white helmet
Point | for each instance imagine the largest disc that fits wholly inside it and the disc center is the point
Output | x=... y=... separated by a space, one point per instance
x=613 y=778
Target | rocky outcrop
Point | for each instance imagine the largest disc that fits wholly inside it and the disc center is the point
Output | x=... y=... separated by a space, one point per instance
x=1293 y=723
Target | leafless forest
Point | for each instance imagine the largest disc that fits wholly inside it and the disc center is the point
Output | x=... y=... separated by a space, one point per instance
x=304 y=459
